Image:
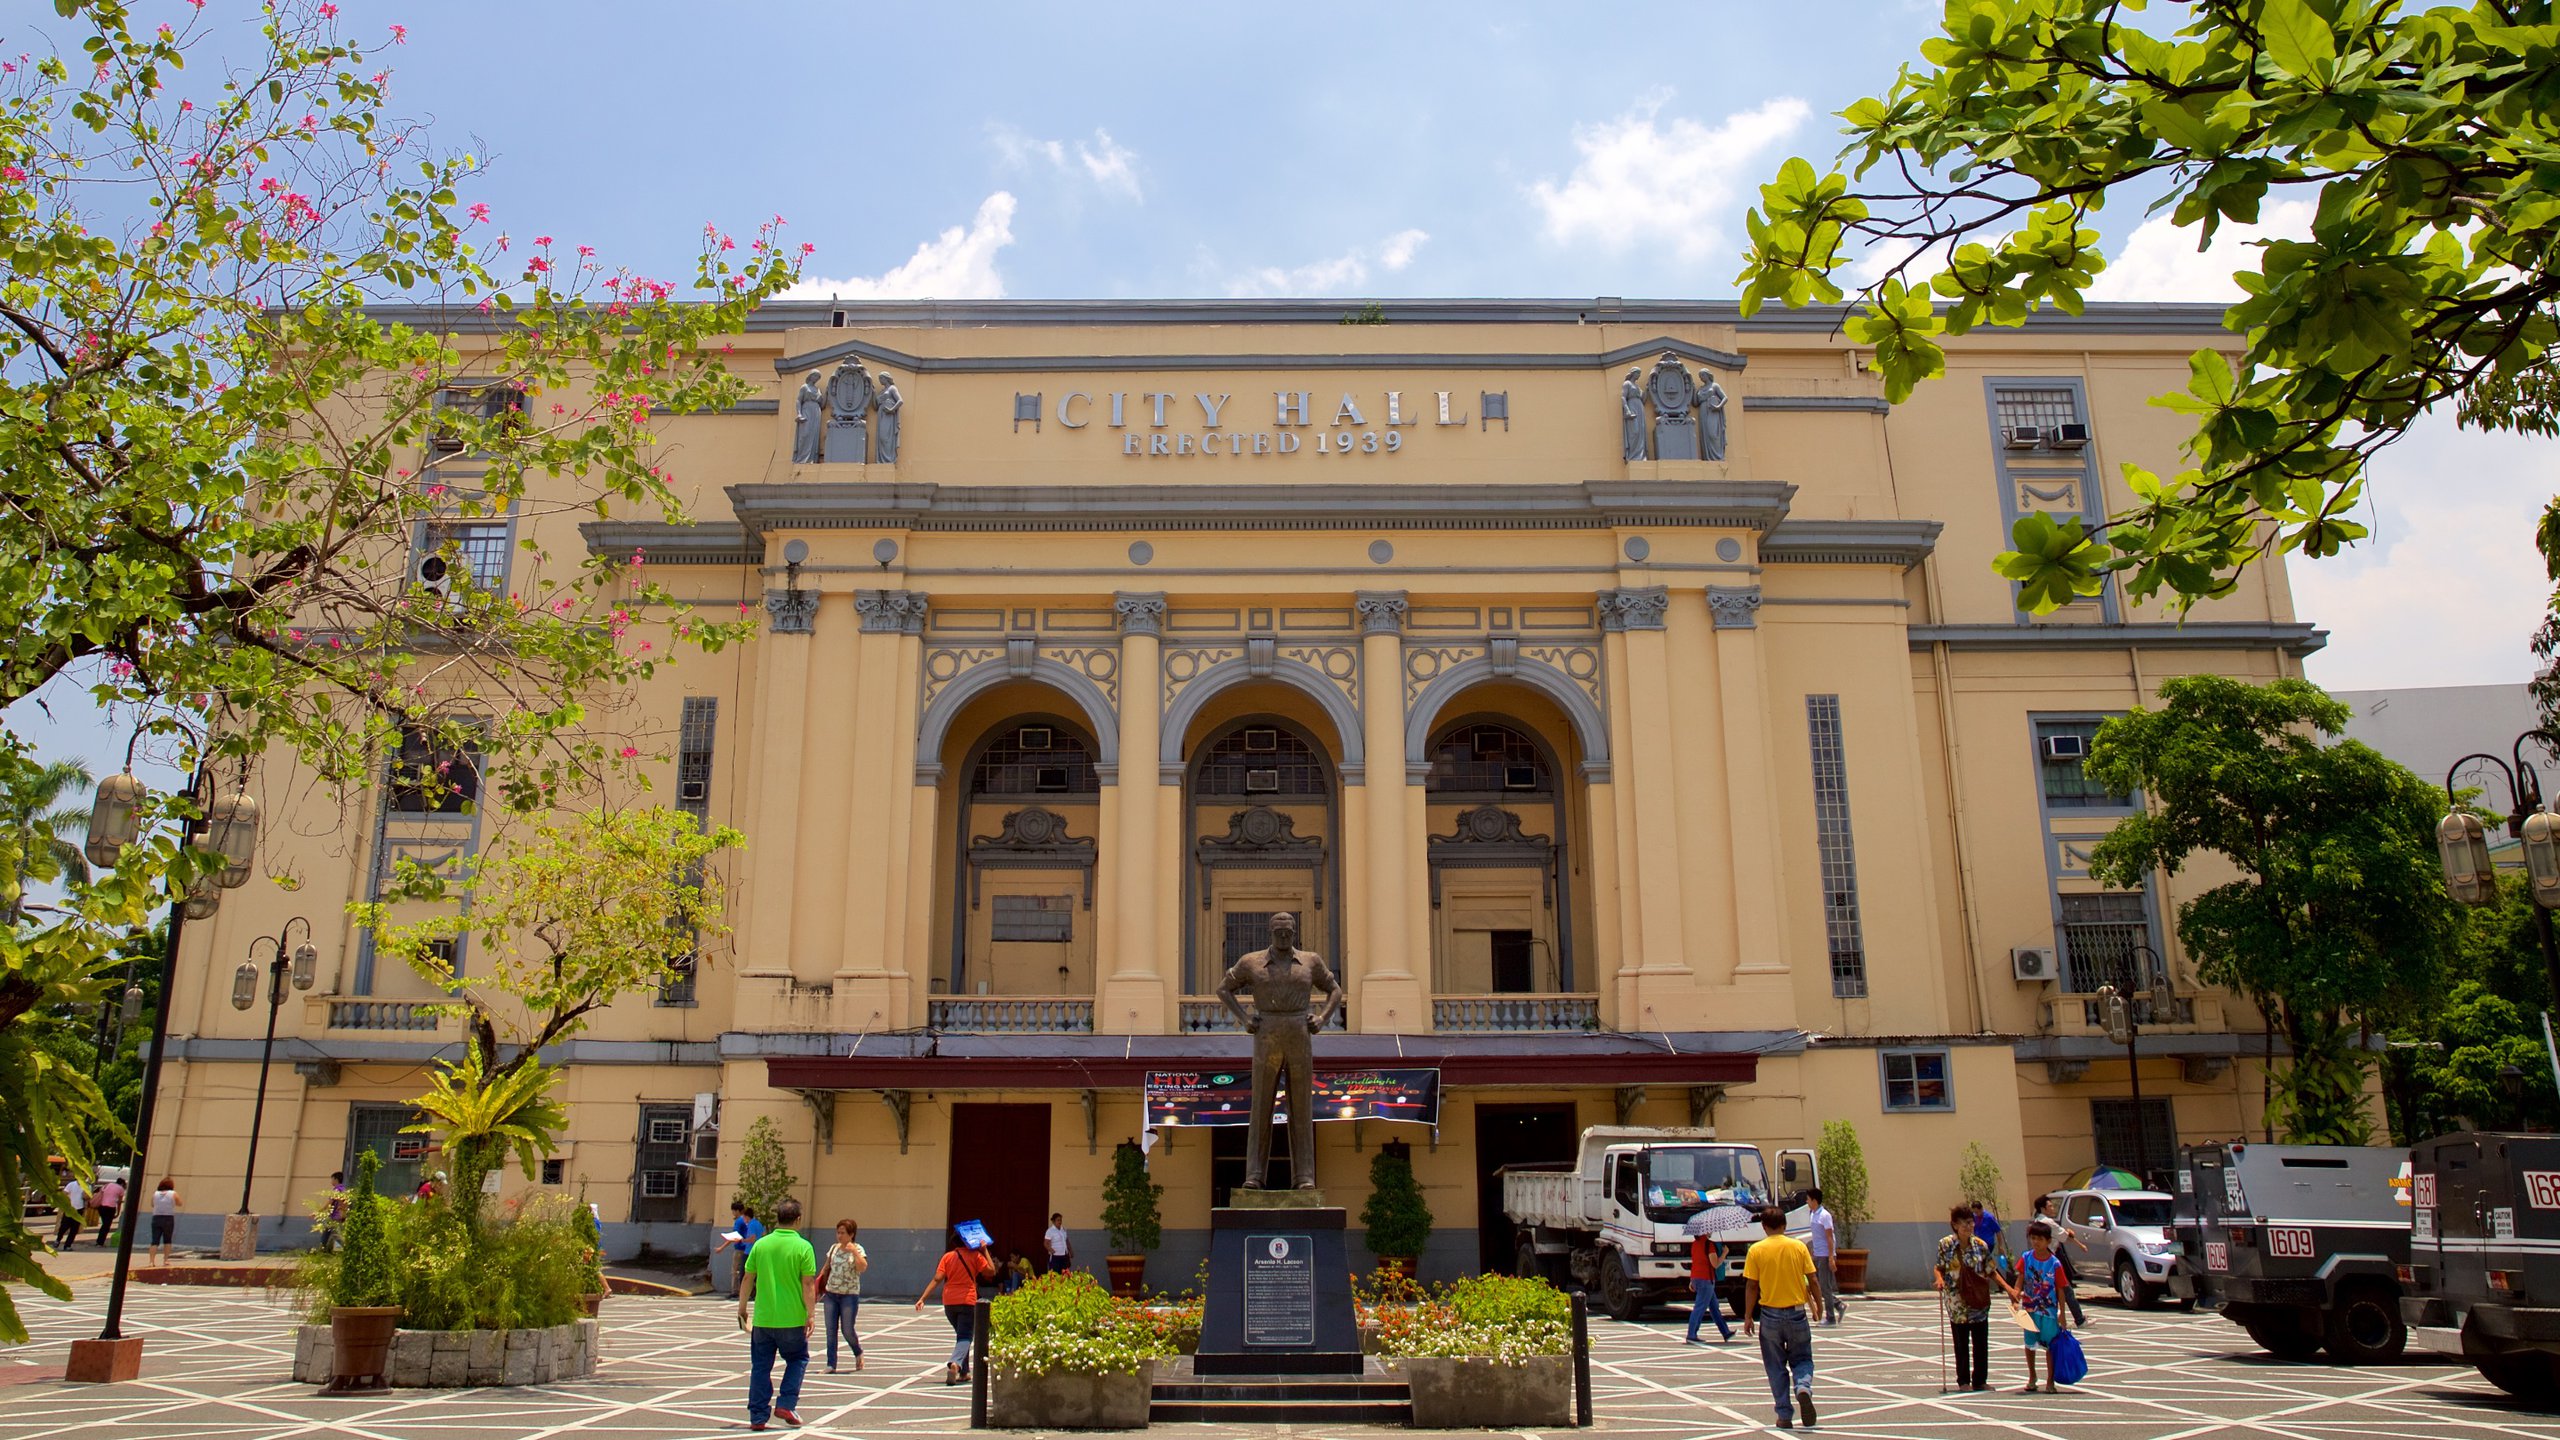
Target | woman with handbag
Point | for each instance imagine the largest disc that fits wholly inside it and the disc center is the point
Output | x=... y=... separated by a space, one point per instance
x=961 y=1268
x=841 y=1290
x=1964 y=1277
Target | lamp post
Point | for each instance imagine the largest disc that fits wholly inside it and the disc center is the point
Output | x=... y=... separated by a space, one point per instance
x=2124 y=1027
x=2463 y=844
x=227 y=825
x=301 y=966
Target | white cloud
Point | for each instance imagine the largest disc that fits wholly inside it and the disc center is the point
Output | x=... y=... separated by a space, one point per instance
x=2160 y=260
x=958 y=264
x=1641 y=178
x=1336 y=275
x=1109 y=165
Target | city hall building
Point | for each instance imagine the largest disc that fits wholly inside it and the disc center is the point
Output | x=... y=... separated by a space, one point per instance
x=1619 y=693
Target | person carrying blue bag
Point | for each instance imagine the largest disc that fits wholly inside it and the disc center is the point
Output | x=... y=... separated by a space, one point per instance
x=2041 y=1289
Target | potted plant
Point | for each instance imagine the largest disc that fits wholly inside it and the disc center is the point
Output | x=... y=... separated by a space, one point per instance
x=1064 y=1355
x=1397 y=1221
x=1131 y=1218
x=591 y=1299
x=364 y=1310
x=1841 y=1163
x=1490 y=1352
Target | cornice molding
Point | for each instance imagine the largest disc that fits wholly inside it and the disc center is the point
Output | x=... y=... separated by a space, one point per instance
x=2294 y=639
x=1461 y=360
x=1851 y=542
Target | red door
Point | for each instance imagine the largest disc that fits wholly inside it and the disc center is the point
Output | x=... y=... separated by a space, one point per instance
x=1000 y=1173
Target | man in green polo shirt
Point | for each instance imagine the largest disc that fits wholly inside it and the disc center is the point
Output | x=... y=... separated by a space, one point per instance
x=776 y=1300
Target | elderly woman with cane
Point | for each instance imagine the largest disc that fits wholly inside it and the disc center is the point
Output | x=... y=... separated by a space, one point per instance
x=1963 y=1276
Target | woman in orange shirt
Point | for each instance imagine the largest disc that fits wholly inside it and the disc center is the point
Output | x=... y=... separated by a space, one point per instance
x=961 y=1268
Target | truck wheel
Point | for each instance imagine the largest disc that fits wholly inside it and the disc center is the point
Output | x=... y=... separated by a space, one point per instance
x=1526 y=1264
x=2282 y=1335
x=1618 y=1295
x=2131 y=1290
x=2365 y=1328
x=2530 y=1377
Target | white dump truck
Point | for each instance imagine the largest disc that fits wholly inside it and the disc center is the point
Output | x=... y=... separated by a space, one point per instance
x=1614 y=1220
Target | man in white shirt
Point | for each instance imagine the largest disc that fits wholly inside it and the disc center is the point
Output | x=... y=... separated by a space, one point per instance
x=66 y=1229
x=1061 y=1255
x=1825 y=1242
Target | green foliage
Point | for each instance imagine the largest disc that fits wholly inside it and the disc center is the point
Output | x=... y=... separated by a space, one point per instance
x=591 y=1275
x=1397 y=1218
x=480 y=1118
x=2338 y=916
x=1068 y=1321
x=1501 y=1318
x=363 y=1274
x=1507 y=1300
x=2452 y=1055
x=45 y=830
x=1131 y=1203
x=1841 y=1162
x=764 y=1170
x=2425 y=139
x=1978 y=1177
x=563 y=921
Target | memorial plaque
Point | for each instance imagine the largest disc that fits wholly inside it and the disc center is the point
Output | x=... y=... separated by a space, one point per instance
x=1279 y=1290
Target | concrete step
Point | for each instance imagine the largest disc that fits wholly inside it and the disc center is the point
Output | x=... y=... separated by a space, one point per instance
x=1276 y=1411
x=1368 y=1398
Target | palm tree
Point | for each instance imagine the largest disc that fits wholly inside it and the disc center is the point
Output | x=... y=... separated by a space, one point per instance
x=49 y=832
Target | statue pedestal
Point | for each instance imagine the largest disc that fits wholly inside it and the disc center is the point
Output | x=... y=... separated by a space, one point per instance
x=1279 y=1300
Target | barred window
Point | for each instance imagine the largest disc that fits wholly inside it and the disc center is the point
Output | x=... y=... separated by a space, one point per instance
x=659 y=1184
x=1035 y=919
x=2144 y=1141
x=2039 y=409
x=1488 y=758
x=1036 y=759
x=1247 y=931
x=1262 y=760
x=475 y=553
x=696 y=726
x=2062 y=762
x=428 y=774
x=2106 y=940
x=1834 y=846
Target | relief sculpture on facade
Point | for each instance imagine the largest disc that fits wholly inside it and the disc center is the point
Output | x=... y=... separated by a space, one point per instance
x=1688 y=412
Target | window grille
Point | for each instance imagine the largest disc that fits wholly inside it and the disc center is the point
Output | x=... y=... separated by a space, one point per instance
x=697 y=723
x=1247 y=931
x=666 y=1129
x=2104 y=939
x=1233 y=765
x=2038 y=409
x=2066 y=781
x=658 y=1184
x=555 y=1172
x=1917 y=1080
x=1036 y=760
x=2145 y=1144
x=1480 y=759
x=428 y=775
x=1035 y=919
x=1834 y=846
x=479 y=551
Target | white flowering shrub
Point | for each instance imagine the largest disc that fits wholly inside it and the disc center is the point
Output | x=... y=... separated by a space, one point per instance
x=1067 y=1321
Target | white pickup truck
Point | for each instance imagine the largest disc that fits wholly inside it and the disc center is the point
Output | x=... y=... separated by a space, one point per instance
x=1613 y=1220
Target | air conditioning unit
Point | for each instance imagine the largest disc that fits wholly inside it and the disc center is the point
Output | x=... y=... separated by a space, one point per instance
x=434 y=574
x=2062 y=749
x=2031 y=963
x=705 y=1150
x=2068 y=437
x=693 y=790
x=1262 y=782
x=2025 y=437
x=1037 y=737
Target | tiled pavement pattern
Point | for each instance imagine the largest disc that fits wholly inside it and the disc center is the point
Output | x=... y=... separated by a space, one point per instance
x=673 y=1368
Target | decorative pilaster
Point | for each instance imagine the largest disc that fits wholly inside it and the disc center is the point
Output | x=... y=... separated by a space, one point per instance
x=896 y=612
x=872 y=832
x=793 y=612
x=1635 y=608
x=1734 y=607
x=1390 y=996
x=1137 y=983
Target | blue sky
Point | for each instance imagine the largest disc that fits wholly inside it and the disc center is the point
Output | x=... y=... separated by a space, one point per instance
x=1359 y=151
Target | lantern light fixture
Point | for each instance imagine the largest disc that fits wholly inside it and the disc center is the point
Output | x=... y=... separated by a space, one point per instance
x=244 y=986
x=2463 y=844
x=115 y=819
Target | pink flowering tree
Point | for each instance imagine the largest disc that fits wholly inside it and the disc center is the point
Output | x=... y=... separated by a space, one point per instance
x=262 y=361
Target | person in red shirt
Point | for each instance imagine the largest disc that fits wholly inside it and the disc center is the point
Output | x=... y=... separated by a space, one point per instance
x=958 y=1274
x=1706 y=1262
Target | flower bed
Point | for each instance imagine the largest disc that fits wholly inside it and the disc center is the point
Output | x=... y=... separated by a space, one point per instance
x=1063 y=1353
x=449 y=1358
x=1488 y=1352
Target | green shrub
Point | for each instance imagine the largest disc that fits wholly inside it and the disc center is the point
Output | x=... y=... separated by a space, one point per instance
x=527 y=1266
x=1484 y=1317
x=363 y=1275
x=764 y=1169
x=1397 y=1220
x=1842 y=1163
x=1068 y=1321
x=1978 y=1177
x=1130 y=1203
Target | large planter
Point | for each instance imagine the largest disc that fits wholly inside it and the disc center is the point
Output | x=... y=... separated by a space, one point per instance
x=1849 y=1267
x=591 y=1303
x=357 y=1341
x=1070 y=1399
x=1473 y=1394
x=1129 y=1276
x=427 y=1359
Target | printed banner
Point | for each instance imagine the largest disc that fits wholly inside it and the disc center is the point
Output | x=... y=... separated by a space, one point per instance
x=1225 y=1097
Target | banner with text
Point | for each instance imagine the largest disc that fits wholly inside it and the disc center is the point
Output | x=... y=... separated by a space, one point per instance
x=1225 y=1097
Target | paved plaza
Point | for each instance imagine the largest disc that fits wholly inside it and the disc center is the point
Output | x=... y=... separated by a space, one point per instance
x=217 y=1361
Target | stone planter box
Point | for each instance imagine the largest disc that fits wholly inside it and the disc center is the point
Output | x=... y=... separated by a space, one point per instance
x=1070 y=1399
x=430 y=1359
x=1469 y=1394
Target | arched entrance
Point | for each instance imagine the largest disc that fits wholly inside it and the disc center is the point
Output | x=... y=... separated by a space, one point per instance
x=1263 y=807
x=1022 y=864
x=1501 y=882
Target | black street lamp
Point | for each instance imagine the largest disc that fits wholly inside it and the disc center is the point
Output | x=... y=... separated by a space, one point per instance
x=302 y=967
x=2121 y=1010
x=228 y=825
x=2463 y=844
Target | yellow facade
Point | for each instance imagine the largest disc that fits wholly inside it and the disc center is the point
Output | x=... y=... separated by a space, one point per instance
x=1654 y=789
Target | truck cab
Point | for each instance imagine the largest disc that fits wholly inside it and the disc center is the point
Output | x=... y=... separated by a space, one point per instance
x=2300 y=1245
x=2483 y=1274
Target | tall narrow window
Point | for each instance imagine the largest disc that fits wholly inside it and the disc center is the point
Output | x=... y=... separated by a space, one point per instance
x=2062 y=758
x=1833 y=845
x=695 y=728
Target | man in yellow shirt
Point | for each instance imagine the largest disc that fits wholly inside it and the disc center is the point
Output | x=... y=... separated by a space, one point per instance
x=1780 y=1302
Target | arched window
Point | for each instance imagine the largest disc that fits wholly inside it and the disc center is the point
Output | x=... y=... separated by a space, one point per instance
x=1262 y=760
x=1487 y=758
x=1025 y=846
x=1500 y=876
x=1038 y=758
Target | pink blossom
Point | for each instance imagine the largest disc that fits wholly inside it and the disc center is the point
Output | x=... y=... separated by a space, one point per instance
x=630 y=752
x=12 y=174
x=399 y=33
x=328 y=12
x=541 y=239
x=639 y=557
x=538 y=265
x=586 y=250
x=479 y=210
x=434 y=490
x=808 y=249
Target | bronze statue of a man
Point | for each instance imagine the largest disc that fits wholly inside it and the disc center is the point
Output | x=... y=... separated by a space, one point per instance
x=1282 y=979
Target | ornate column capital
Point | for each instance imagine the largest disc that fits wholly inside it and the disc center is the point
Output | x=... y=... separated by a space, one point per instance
x=1734 y=607
x=1381 y=612
x=1637 y=608
x=1140 y=612
x=890 y=612
x=794 y=612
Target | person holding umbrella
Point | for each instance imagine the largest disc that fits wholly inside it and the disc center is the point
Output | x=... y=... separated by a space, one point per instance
x=1706 y=1264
